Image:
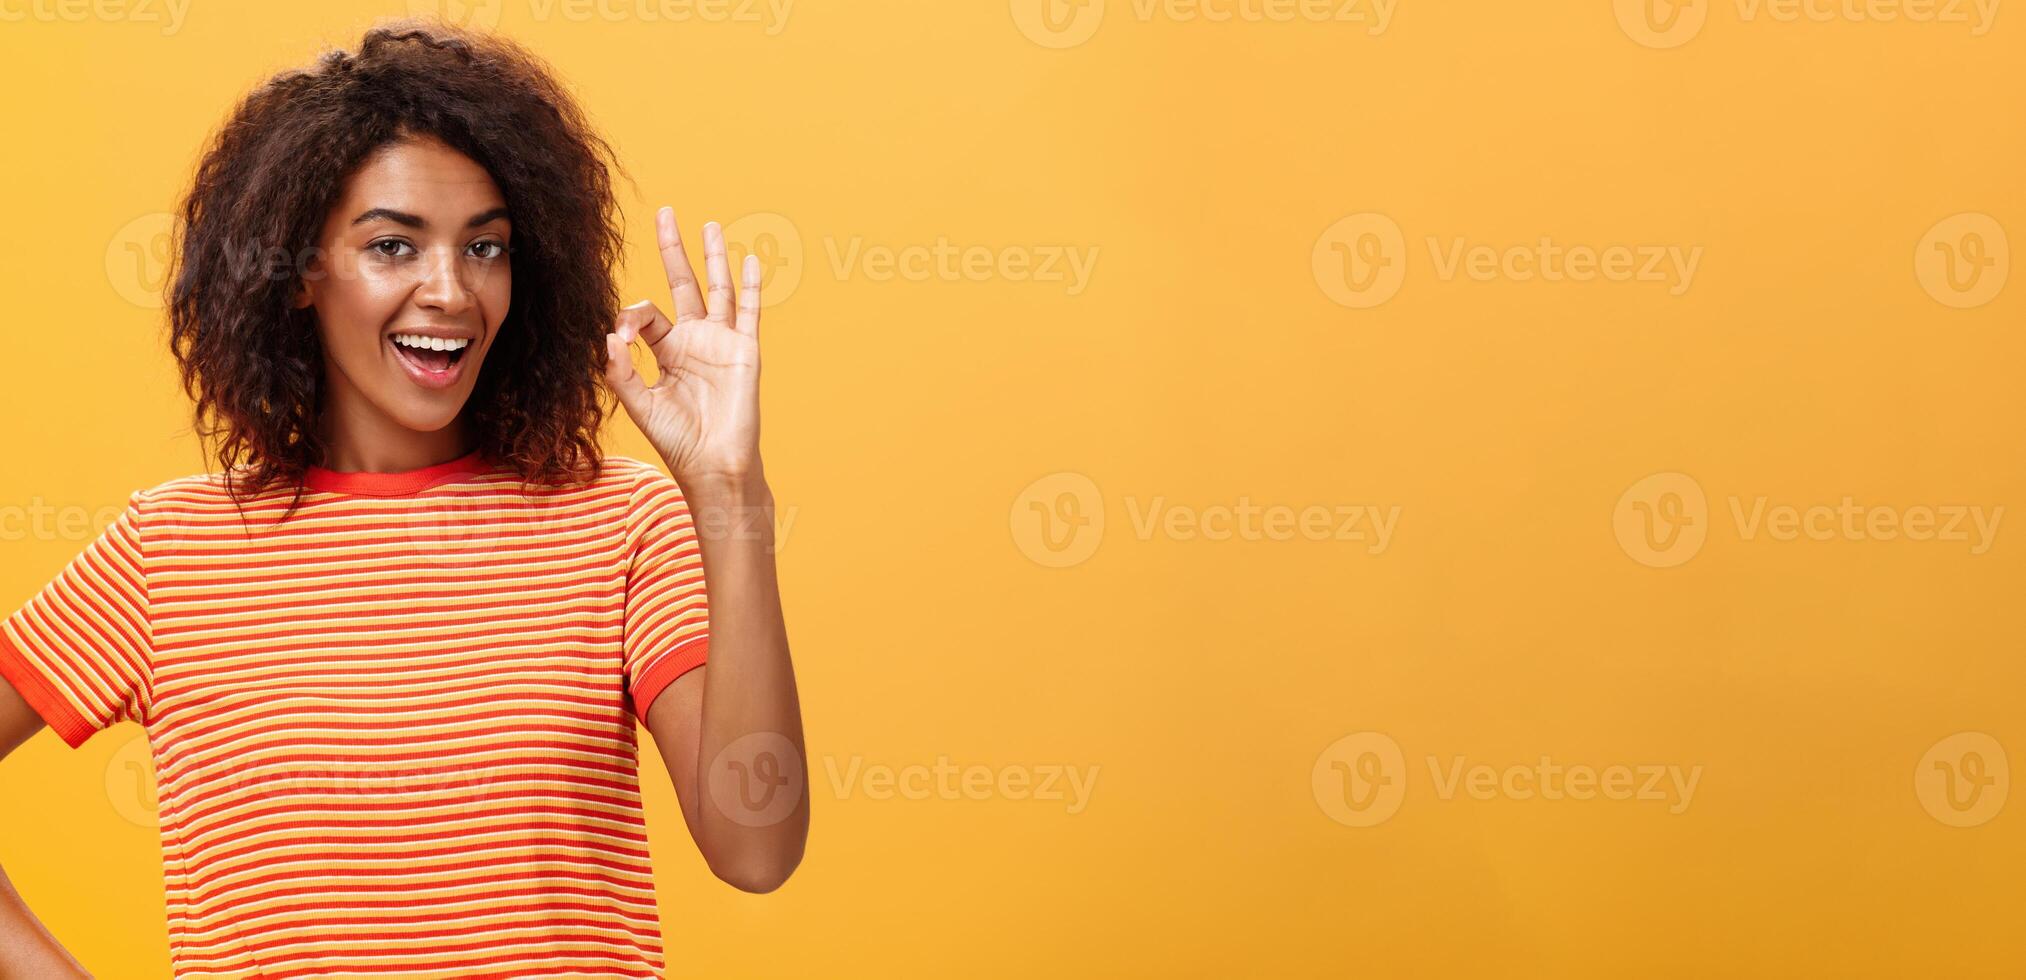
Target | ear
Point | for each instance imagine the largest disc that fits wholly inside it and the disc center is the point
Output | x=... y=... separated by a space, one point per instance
x=303 y=296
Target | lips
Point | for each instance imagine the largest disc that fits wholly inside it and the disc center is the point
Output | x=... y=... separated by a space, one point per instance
x=427 y=368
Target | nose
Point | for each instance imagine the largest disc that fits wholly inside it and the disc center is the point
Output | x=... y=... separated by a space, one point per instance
x=443 y=288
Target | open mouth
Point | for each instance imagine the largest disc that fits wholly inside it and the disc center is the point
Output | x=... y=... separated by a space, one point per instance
x=430 y=360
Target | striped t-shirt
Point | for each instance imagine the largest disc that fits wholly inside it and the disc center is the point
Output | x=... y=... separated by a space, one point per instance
x=393 y=735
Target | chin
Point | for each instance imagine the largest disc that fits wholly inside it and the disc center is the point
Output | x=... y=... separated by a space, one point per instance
x=427 y=408
x=429 y=416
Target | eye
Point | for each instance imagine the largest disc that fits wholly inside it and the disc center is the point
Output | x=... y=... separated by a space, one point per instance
x=389 y=247
x=488 y=249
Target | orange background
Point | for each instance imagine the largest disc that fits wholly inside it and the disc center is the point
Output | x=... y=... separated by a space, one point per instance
x=950 y=598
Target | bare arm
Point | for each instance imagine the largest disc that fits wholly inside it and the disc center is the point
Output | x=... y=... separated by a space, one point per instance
x=730 y=732
x=26 y=948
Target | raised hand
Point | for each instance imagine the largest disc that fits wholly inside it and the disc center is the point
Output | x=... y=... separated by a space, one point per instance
x=703 y=411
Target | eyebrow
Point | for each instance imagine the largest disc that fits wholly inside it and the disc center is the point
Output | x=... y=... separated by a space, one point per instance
x=415 y=221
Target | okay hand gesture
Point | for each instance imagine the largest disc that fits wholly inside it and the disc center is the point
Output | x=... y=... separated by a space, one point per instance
x=702 y=413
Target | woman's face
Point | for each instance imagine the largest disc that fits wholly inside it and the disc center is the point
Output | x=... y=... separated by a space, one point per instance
x=410 y=281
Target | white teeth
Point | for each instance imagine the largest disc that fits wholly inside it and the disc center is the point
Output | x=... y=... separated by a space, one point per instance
x=429 y=343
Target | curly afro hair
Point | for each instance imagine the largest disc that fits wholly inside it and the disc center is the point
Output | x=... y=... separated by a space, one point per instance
x=252 y=362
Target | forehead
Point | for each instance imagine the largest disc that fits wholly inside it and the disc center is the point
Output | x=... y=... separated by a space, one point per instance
x=420 y=175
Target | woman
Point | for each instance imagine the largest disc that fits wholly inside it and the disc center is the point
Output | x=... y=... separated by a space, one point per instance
x=390 y=657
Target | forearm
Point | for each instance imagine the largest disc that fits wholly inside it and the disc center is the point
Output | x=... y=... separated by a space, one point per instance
x=27 y=949
x=749 y=749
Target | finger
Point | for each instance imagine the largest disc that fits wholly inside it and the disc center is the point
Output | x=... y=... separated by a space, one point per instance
x=625 y=382
x=675 y=262
x=719 y=269
x=645 y=321
x=749 y=299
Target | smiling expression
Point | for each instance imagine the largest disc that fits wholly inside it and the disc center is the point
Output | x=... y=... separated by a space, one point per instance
x=410 y=281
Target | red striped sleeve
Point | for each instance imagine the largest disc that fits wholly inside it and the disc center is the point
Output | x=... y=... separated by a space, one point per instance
x=80 y=652
x=667 y=616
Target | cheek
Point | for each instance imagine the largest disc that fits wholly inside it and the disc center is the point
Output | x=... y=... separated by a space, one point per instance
x=355 y=302
x=496 y=293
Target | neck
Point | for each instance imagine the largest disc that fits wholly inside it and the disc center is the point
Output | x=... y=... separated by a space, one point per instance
x=361 y=439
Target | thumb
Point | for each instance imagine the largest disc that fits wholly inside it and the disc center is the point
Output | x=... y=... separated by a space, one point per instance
x=621 y=376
